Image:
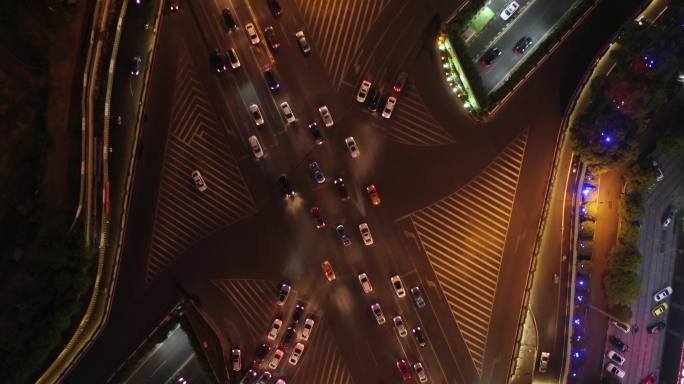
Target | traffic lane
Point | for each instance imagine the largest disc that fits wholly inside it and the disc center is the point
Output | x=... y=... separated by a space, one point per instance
x=164 y=361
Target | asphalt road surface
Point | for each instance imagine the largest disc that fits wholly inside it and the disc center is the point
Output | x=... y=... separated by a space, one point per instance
x=461 y=200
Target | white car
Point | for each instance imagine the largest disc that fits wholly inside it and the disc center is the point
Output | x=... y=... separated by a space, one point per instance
x=420 y=372
x=296 y=353
x=199 y=181
x=275 y=360
x=236 y=359
x=252 y=34
x=610 y=367
x=308 y=327
x=544 y=361
x=662 y=294
x=615 y=357
x=366 y=234
x=400 y=326
x=233 y=59
x=352 y=147
x=256 y=114
x=256 y=147
x=363 y=91
x=275 y=328
x=398 y=286
x=510 y=10
x=377 y=312
x=389 y=107
x=325 y=115
x=622 y=326
x=287 y=112
x=303 y=44
x=365 y=283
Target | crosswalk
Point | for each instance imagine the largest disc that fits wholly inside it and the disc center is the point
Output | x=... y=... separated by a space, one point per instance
x=184 y=215
x=412 y=124
x=337 y=29
x=464 y=235
x=254 y=300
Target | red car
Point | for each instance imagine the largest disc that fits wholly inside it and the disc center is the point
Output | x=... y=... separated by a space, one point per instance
x=402 y=366
x=316 y=214
x=651 y=379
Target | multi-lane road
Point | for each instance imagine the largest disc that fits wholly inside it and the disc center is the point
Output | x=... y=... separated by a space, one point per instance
x=461 y=200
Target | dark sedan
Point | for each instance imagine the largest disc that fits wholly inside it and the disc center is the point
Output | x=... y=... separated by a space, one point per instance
x=490 y=56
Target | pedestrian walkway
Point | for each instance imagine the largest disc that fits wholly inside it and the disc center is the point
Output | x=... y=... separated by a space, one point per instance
x=337 y=30
x=464 y=236
x=324 y=362
x=413 y=124
x=254 y=300
x=196 y=142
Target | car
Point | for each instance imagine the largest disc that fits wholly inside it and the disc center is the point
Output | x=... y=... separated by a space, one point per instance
x=217 y=61
x=174 y=5
x=256 y=147
x=297 y=314
x=275 y=360
x=417 y=296
x=318 y=137
x=275 y=8
x=611 y=368
x=352 y=147
x=228 y=19
x=328 y=270
x=400 y=326
x=420 y=336
x=490 y=56
x=256 y=114
x=615 y=357
x=619 y=344
x=288 y=335
x=264 y=378
x=373 y=194
x=307 y=328
x=261 y=353
x=248 y=377
x=199 y=181
x=283 y=293
x=420 y=372
x=231 y=55
x=270 y=36
x=296 y=353
x=659 y=309
x=303 y=44
x=365 y=234
x=273 y=84
x=669 y=218
x=365 y=283
x=318 y=217
x=316 y=172
x=389 y=107
x=326 y=116
x=650 y=379
x=374 y=100
x=377 y=313
x=136 y=63
x=275 y=328
x=662 y=294
x=398 y=286
x=363 y=91
x=341 y=189
x=399 y=82
x=521 y=46
x=287 y=112
x=236 y=359
x=252 y=34
x=280 y=381
x=181 y=380
x=510 y=10
x=544 y=361
x=656 y=327
x=622 y=326
x=286 y=187
x=402 y=366
x=343 y=235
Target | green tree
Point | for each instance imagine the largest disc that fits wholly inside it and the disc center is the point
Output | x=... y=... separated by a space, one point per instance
x=641 y=174
x=629 y=233
x=631 y=207
x=591 y=210
x=622 y=287
x=587 y=229
x=585 y=248
x=621 y=312
x=624 y=257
